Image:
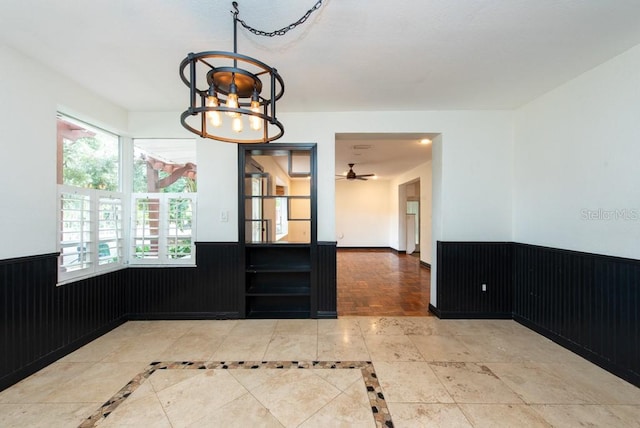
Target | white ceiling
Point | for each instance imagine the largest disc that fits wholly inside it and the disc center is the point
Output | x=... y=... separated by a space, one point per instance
x=349 y=55
x=385 y=155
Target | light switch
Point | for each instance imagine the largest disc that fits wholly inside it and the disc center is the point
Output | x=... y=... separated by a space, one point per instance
x=224 y=216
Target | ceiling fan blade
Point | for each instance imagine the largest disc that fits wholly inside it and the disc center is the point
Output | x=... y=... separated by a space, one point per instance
x=366 y=175
x=361 y=178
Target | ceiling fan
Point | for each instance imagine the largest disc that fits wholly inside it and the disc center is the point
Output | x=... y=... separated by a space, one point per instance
x=351 y=175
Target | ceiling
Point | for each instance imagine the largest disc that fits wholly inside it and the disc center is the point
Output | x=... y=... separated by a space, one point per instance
x=350 y=55
x=385 y=155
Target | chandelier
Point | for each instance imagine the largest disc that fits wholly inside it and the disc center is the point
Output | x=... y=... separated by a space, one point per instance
x=233 y=96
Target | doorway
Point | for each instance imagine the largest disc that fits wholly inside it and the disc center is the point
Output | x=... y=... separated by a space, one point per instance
x=383 y=225
x=413 y=226
x=381 y=283
x=409 y=218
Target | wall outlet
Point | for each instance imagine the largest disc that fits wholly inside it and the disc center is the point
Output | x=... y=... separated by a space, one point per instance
x=484 y=287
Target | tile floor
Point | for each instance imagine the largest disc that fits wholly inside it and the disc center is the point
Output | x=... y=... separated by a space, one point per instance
x=349 y=372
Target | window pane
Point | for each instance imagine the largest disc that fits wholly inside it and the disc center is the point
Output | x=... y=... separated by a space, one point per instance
x=88 y=157
x=164 y=165
x=299 y=209
x=146 y=233
x=109 y=230
x=75 y=231
x=179 y=234
x=300 y=163
x=164 y=227
x=282 y=224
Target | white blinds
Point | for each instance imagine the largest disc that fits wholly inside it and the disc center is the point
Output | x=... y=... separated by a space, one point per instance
x=163 y=228
x=91 y=231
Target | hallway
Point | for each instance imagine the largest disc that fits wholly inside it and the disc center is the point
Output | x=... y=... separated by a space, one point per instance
x=382 y=283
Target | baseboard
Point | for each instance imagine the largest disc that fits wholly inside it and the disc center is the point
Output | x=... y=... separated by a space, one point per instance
x=450 y=315
x=435 y=311
x=54 y=356
x=381 y=250
x=369 y=249
x=184 y=316
x=629 y=376
x=323 y=315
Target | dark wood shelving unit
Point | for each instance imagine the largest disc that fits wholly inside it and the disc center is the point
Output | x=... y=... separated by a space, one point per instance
x=278 y=280
x=279 y=277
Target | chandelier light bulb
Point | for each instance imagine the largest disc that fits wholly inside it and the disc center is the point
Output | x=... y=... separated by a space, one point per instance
x=255 y=122
x=236 y=124
x=213 y=117
x=232 y=100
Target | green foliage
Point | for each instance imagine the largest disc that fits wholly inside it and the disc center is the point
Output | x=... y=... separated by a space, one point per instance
x=175 y=252
x=183 y=184
x=91 y=162
x=139 y=176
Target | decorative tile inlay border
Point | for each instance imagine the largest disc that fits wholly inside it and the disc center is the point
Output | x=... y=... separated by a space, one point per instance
x=379 y=407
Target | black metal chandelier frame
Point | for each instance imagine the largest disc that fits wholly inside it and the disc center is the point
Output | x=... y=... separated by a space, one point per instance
x=240 y=78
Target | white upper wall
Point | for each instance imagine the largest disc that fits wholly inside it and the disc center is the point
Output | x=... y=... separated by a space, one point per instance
x=475 y=172
x=574 y=161
x=30 y=97
x=577 y=157
x=363 y=213
x=475 y=159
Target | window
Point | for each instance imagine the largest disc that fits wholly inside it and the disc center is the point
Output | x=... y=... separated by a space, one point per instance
x=259 y=227
x=91 y=208
x=88 y=157
x=282 y=225
x=164 y=202
x=277 y=203
x=163 y=228
x=91 y=231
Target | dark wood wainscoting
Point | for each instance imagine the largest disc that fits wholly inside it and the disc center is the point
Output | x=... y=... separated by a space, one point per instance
x=326 y=280
x=463 y=268
x=588 y=303
x=41 y=322
x=207 y=291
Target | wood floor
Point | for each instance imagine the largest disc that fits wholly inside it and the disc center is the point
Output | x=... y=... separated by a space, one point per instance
x=380 y=283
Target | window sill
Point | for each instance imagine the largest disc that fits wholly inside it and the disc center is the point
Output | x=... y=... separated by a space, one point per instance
x=165 y=265
x=92 y=274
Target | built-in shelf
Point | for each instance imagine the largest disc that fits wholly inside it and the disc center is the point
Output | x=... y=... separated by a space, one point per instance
x=278 y=281
x=277 y=269
x=279 y=277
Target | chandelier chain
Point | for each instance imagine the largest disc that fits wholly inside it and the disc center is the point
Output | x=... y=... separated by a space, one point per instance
x=283 y=30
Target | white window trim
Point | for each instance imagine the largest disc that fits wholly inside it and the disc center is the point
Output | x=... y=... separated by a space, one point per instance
x=162 y=259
